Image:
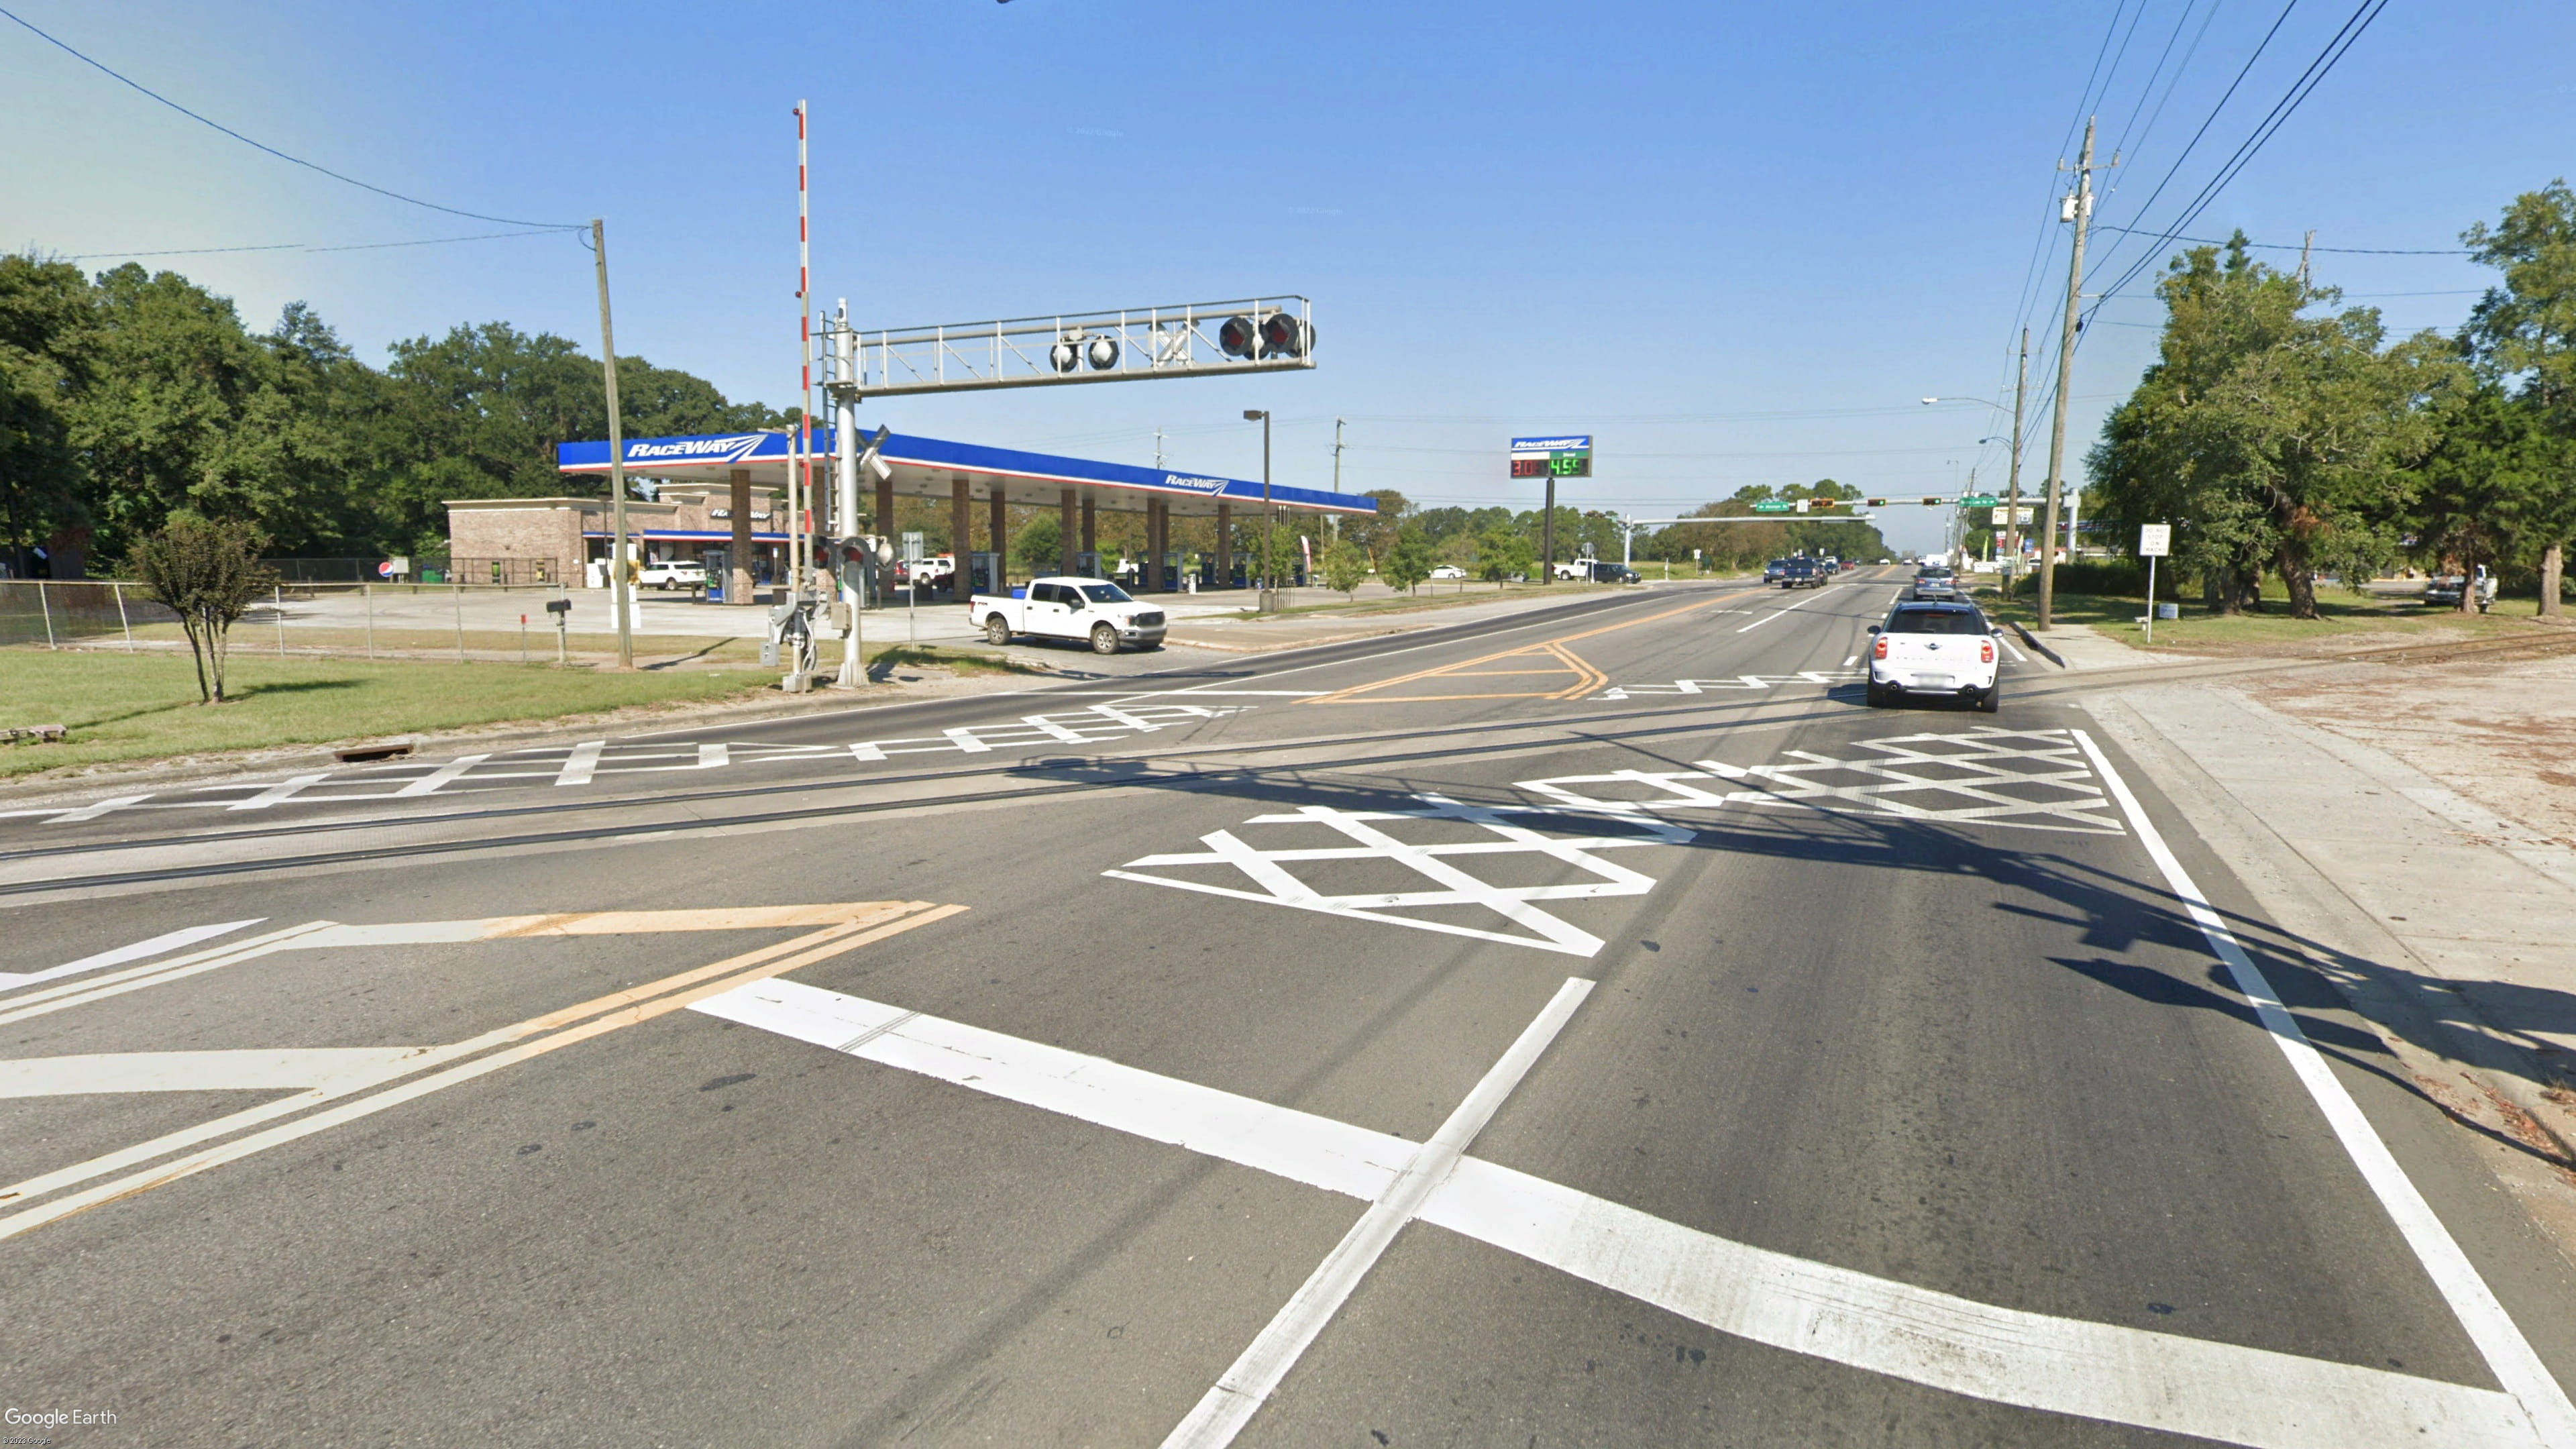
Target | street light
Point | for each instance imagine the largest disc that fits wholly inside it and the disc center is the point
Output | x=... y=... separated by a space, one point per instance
x=1269 y=585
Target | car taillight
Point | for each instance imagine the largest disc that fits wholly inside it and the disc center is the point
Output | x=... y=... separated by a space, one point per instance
x=1878 y=648
x=1985 y=651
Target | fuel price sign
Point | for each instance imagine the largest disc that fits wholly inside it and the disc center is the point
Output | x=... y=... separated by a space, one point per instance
x=1563 y=457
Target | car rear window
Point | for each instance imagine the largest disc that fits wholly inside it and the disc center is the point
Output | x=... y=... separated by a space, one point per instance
x=1934 y=621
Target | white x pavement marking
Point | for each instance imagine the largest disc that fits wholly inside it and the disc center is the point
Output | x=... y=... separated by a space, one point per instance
x=1739 y=682
x=2022 y=779
x=1434 y=862
x=2100 y=1371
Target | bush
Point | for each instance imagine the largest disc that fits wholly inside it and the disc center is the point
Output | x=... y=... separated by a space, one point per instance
x=2106 y=578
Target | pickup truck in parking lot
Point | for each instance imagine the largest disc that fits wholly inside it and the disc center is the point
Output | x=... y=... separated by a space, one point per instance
x=1088 y=610
x=1935 y=649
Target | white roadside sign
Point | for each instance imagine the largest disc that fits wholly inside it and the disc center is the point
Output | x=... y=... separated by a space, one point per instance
x=2155 y=540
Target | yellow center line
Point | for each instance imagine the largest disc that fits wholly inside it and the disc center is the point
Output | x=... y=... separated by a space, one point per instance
x=1590 y=678
x=857 y=925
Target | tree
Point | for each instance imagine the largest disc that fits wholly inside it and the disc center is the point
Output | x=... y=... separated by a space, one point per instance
x=2490 y=469
x=1503 y=551
x=1345 y=566
x=46 y=340
x=2277 y=440
x=1408 y=561
x=1378 y=534
x=2525 y=332
x=1039 y=545
x=208 y=573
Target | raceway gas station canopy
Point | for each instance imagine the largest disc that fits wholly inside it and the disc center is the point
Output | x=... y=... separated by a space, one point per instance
x=931 y=468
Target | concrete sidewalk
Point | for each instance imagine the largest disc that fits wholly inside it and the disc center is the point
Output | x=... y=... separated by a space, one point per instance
x=2448 y=926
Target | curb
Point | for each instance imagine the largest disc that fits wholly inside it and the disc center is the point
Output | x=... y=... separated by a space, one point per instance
x=2027 y=637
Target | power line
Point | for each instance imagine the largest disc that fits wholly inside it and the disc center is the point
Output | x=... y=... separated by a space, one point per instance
x=305 y=247
x=2202 y=241
x=2336 y=48
x=2212 y=118
x=136 y=85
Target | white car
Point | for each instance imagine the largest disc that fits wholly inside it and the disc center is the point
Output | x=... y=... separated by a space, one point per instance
x=1448 y=571
x=1943 y=650
x=672 y=576
x=1070 y=608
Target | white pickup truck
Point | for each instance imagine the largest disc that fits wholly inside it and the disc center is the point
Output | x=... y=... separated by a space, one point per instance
x=1070 y=608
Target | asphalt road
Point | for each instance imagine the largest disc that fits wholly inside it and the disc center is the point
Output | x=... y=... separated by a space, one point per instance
x=1593 y=1027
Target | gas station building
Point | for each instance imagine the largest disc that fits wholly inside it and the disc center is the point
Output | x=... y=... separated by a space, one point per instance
x=722 y=496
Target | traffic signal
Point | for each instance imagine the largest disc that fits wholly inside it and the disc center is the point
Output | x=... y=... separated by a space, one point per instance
x=1934 y=502
x=1875 y=502
x=1825 y=502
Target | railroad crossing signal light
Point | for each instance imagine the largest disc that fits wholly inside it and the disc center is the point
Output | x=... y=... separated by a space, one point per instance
x=1285 y=336
x=1071 y=351
x=1275 y=334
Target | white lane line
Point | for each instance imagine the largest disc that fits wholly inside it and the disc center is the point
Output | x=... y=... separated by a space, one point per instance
x=1767 y=618
x=864 y=751
x=964 y=738
x=265 y=1069
x=167 y=941
x=2017 y=656
x=1848 y=663
x=2091 y=1370
x=582 y=763
x=283 y=790
x=429 y=784
x=48 y=999
x=2099 y=1371
x=94 y=810
x=1241 y=1391
x=714 y=756
x=2508 y=1354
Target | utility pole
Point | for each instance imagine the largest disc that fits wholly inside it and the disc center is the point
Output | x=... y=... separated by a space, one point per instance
x=616 y=456
x=2012 y=516
x=1158 y=450
x=800 y=474
x=2079 y=210
x=1338 y=425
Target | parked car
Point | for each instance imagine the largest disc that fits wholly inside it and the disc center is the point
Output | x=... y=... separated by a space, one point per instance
x=2442 y=591
x=1448 y=571
x=1942 y=649
x=673 y=575
x=1070 y=608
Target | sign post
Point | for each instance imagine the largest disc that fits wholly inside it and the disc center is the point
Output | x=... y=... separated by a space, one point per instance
x=1551 y=458
x=2155 y=540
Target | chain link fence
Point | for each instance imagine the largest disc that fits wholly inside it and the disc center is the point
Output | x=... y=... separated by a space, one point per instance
x=58 y=614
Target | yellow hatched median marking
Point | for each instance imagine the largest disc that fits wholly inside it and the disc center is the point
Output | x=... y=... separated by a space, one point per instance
x=844 y=927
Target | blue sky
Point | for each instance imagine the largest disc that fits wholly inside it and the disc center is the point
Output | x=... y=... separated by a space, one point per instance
x=1736 y=243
